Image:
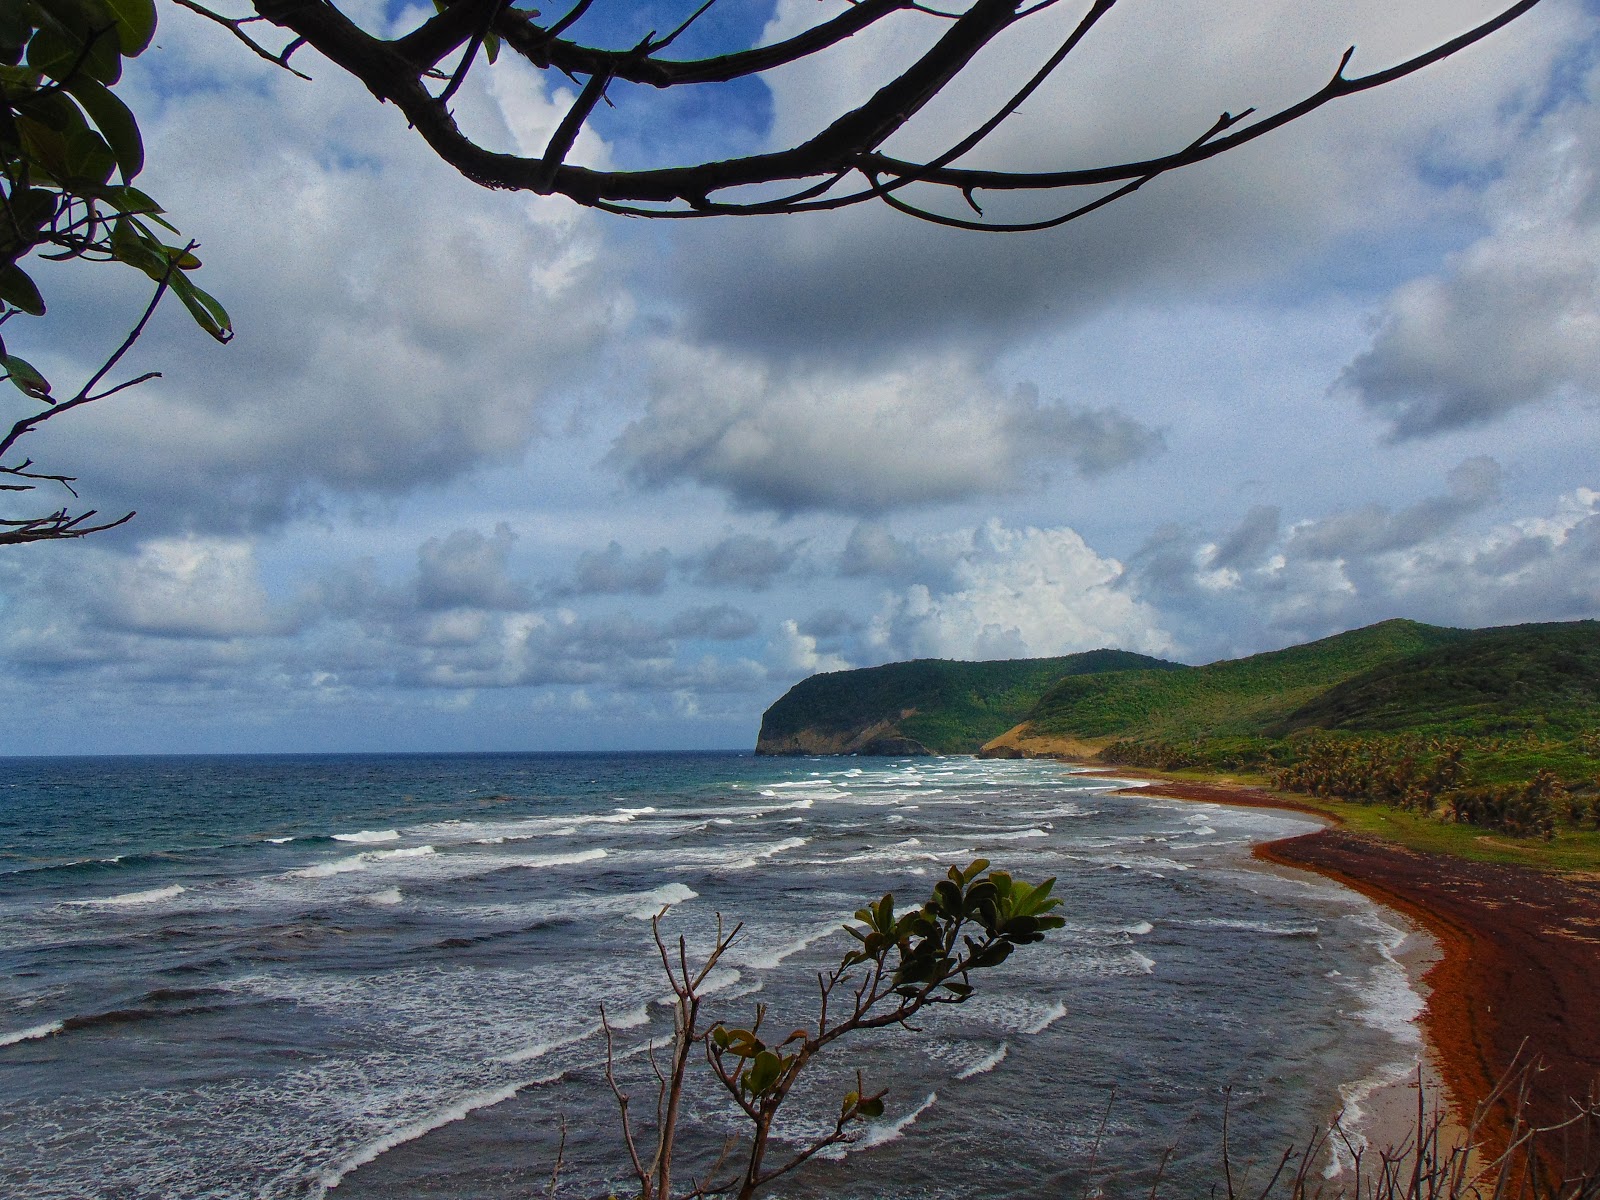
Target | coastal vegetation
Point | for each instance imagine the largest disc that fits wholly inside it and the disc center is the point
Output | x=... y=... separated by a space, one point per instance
x=928 y=706
x=1497 y=728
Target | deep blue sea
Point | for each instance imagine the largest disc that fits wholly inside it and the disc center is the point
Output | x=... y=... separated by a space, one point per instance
x=381 y=975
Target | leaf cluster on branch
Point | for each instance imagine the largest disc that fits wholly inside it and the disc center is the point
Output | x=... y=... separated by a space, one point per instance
x=69 y=152
x=903 y=963
x=841 y=164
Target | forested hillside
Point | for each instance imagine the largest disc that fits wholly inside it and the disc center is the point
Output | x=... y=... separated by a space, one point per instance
x=929 y=706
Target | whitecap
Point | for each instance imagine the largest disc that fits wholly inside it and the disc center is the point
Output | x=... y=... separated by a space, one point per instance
x=765 y=961
x=470 y=1103
x=881 y=1134
x=337 y=866
x=663 y=897
x=386 y=897
x=1056 y=1012
x=1285 y=929
x=369 y=835
x=280 y=841
x=407 y=852
x=560 y=860
x=1146 y=964
x=31 y=1033
x=984 y=1065
x=151 y=896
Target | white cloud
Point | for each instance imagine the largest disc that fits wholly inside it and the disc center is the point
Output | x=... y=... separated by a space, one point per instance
x=1021 y=593
x=188 y=587
x=821 y=436
x=795 y=655
x=1514 y=319
x=396 y=326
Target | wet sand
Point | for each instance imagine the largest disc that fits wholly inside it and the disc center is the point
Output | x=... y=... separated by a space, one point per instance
x=1518 y=973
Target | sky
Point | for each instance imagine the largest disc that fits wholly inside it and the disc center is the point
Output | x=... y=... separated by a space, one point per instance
x=487 y=471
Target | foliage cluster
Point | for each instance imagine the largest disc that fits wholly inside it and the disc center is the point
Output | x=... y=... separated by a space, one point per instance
x=954 y=707
x=903 y=962
x=1524 y=785
x=69 y=152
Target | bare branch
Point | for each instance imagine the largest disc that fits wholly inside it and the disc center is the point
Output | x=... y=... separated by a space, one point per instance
x=236 y=26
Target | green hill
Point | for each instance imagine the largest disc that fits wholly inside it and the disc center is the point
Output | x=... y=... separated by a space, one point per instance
x=1243 y=697
x=1395 y=677
x=1519 y=678
x=927 y=706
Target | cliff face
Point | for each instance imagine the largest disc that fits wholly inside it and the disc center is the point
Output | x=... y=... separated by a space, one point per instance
x=930 y=706
x=879 y=738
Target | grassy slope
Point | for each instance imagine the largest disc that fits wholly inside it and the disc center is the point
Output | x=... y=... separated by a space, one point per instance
x=1236 y=698
x=959 y=705
x=1538 y=678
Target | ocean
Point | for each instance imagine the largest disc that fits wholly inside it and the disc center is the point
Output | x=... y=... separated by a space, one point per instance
x=382 y=975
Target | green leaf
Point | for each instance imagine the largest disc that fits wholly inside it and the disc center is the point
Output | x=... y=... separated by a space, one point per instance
x=89 y=160
x=203 y=307
x=763 y=1072
x=871 y=1108
x=136 y=24
x=132 y=201
x=115 y=121
x=26 y=377
x=18 y=290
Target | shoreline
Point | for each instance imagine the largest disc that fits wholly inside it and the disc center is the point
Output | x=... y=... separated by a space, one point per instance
x=1516 y=975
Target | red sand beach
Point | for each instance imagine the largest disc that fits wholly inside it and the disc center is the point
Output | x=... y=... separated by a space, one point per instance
x=1520 y=953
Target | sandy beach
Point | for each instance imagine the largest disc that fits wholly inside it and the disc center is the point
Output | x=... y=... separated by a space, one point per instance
x=1516 y=977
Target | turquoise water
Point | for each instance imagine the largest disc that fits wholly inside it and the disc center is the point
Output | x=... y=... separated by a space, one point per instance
x=382 y=975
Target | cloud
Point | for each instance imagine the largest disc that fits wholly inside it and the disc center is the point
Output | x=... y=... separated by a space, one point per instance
x=1514 y=319
x=189 y=587
x=468 y=570
x=744 y=561
x=398 y=328
x=718 y=622
x=1372 y=530
x=868 y=281
x=612 y=572
x=795 y=655
x=873 y=550
x=1427 y=561
x=808 y=436
x=1021 y=593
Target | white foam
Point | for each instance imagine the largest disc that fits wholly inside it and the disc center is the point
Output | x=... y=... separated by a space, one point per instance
x=1057 y=1011
x=338 y=866
x=1270 y=928
x=30 y=1034
x=280 y=841
x=470 y=1103
x=540 y=1049
x=663 y=897
x=151 y=896
x=766 y=961
x=1388 y=1001
x=984 y=1065
x=408 y=852
x=559 y=860
x=882 y=1134
x=369 y=835
x=386 y=897
x=1353 y=1117
x=1146 y=964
